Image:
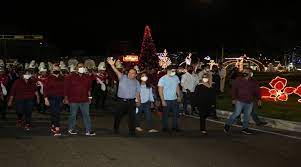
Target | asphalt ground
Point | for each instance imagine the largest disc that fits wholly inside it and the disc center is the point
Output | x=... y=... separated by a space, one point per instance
x=189 y=148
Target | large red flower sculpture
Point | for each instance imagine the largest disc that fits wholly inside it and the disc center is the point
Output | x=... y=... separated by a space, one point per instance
x=298 y=92
x=279 y=90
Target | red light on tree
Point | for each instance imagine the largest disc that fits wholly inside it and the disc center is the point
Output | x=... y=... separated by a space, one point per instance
x=148 y=50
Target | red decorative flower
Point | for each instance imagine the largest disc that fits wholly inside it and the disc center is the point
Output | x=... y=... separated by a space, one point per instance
x=298 y=92
x=279 y=91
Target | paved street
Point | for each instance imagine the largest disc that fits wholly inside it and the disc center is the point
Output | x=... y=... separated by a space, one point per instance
x=188 y=148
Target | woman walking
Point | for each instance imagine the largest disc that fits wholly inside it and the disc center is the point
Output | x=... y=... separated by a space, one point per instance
x=25 y=92
x=204 y=99
x=147 y=97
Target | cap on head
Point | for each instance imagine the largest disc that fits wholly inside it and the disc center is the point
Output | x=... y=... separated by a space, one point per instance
x=102 y=66
x=2 y=69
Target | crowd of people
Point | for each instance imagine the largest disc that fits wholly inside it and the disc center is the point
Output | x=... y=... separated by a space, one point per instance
x=136 y=92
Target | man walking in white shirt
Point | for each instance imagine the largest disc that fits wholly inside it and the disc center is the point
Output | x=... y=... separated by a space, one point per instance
x=188 y=83
x=222 y=74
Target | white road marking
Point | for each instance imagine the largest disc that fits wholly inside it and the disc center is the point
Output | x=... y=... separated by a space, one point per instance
x=254 y=129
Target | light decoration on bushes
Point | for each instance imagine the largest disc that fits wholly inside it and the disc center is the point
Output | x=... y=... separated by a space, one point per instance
x=279 y=90
x=187 y=60
x=298 y=92
x=164 y=60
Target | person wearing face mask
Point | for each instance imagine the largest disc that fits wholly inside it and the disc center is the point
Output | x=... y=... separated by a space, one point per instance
x=254 y=115
x=128 y=98
x=54 y=96
x=101 y=91
x=41 y=79
x=203 y=99
x=24 y=91
x=188 y=83
x=147 y=97
x=222 y=73
x=77 y=92
x=169 y=91
x=244 y=91
x=205 y=70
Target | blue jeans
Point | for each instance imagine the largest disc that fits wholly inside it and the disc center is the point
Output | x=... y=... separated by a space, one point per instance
x=84 y=108
x=145 y=107
x=25 y=107
x=172 y=106
x=240 y=107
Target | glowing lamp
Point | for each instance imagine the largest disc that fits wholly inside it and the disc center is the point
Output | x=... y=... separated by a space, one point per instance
x=130 y=58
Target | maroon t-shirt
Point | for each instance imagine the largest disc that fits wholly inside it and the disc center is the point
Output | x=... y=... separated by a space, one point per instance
x=54 y=86
x=77 y=88
x=22 y=90
x=245 y=90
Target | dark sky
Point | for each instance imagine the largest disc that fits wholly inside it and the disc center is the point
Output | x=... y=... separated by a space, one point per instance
x=191 y=24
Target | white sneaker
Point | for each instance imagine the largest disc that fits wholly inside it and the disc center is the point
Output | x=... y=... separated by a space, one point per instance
x=153 y=131
x=91 y=133
x=139 y=129
x=72 y=132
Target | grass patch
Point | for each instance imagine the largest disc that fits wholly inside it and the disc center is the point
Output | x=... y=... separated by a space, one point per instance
x=289 y=110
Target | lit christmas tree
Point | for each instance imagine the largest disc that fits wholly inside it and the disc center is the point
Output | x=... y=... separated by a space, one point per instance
x=148 y=55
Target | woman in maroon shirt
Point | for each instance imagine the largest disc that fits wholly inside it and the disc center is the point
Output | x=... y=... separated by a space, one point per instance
x=25 y=92
x=54 y=95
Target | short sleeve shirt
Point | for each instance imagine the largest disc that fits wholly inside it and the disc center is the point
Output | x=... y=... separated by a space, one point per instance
x=169 y=85
x=128 y=88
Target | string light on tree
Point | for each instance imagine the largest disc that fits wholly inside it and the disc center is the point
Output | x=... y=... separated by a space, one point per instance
x=164 y=60
x=148 y=50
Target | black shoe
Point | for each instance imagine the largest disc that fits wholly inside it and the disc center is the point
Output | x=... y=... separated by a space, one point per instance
x=176 y=130
x=246 y=131
x=226 y=128
x=261 y=123
x=164 y=130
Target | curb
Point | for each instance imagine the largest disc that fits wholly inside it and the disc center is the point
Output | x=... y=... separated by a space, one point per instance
x=272 y=123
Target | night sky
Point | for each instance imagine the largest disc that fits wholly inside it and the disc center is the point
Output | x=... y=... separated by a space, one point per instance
x=191 y=24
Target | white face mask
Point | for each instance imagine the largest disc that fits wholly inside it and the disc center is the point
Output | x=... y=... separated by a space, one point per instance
x=144 y=78
x=81 y=70
x=172 y=73
x=205 y=80
x=26 y=76
x=207 y=70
